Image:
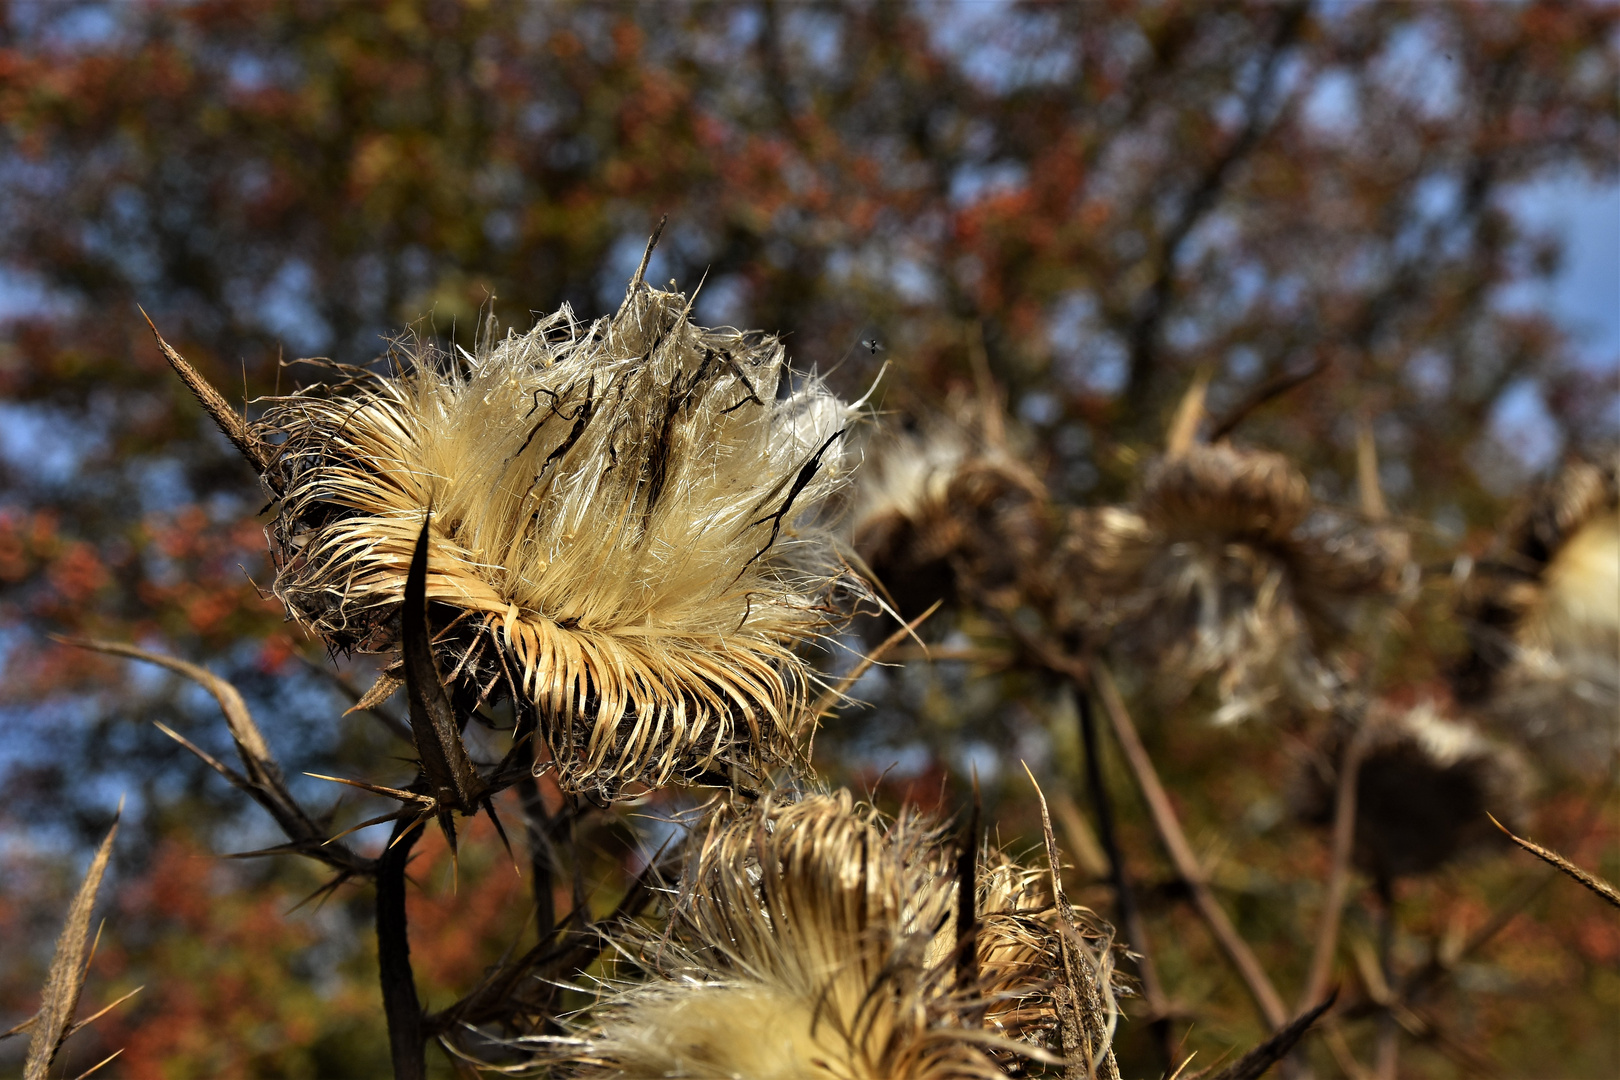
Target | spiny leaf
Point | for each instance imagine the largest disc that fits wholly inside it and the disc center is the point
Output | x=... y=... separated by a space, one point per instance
x=255 y=751
x=1253 y=1065
x=66 y=978
x=433 y=721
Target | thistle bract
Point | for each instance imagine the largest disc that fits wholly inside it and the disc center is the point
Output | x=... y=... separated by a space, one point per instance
x=943 y=512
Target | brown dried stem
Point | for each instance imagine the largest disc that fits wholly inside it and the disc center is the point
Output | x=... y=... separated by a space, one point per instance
x=1129 y=913
x=1387 y=1054
x=1087 y=1045
x=1254 y=1064
x=1274 y=387
x=1338 y=884
x=558 y=958
x=261 y=777
x=1181 y=855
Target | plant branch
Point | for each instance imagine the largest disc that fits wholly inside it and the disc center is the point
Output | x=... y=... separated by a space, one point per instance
x=261 y=777
x=1387 y=1055
x=1255 y=1063
x=1181 y=855
x=1142 y=335
x=1129 y=913
x=407 y=1039
x=1274 y=387
x=1338 y=883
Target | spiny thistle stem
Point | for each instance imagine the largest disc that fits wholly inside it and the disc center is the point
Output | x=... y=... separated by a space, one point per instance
x=1389 y=1032
x=406 y=1039
x=537 y=828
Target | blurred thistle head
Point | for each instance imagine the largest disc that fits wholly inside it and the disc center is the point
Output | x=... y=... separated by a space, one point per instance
x=624 y=529
x=814 y=939
x=946 y=508
x=1226 y=567
x=1423 y=790
x=1543 y=620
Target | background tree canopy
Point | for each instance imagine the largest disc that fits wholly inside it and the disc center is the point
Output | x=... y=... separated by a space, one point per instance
x=1310 y=204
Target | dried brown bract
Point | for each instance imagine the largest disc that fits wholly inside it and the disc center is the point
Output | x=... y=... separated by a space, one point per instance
x=814 y=939
x=1226 y=567
x=943 y=509
x=1543 y=620
x=624 y=529
x=1423 y=793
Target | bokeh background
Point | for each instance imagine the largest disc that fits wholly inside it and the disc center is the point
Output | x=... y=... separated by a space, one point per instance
x=1413 y=210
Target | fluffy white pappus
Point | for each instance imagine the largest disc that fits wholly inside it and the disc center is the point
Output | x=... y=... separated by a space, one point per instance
x=1563 y=686
x=908 y=472
x=1542 y=615
x=947 y=512
x=813 y=940
x=1228 y=570
x=626 y=528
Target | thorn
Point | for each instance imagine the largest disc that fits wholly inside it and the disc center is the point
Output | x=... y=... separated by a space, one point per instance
x=500 y=830
x=646 y=256
x=378 y=789
x=228 y=419
x=1189 y=416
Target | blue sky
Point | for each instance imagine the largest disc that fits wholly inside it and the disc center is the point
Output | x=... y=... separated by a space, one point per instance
x=1585 y=294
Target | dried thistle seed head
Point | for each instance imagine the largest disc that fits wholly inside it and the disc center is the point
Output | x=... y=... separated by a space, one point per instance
x=1226 y=568
x=1222 y=491
x=814 y=939
x=944 y=508
x=1543 y=621
x=624 y=529
x=1424 y=788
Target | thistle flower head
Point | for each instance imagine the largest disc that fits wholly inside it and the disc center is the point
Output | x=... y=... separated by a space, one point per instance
x=1424 y=787
x=815 y=940
x=623 y=528
x=1226 y=567
x=943 y=504
x=1543 y=620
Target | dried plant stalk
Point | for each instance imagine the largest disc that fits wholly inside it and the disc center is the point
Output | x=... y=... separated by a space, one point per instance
x=624 y=514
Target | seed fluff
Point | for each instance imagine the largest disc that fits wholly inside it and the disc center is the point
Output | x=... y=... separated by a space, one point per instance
x=625 y=529
x=813 y=940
